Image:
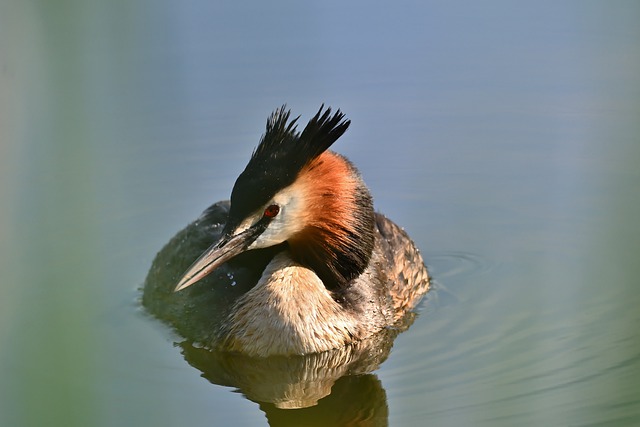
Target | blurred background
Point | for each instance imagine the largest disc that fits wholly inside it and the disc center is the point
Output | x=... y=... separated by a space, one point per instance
x=503 y=136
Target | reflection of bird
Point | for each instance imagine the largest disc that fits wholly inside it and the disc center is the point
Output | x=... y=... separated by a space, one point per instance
x=327 y=270
x=332 y=388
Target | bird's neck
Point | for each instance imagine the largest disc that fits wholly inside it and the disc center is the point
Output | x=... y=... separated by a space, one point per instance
x=337 y=241
x=289 y=311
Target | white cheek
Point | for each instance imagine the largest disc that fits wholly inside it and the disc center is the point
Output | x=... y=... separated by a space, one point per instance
x=276 y=232
x=286 y=224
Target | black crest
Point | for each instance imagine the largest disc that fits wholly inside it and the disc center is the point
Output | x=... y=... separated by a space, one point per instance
x=280 y=156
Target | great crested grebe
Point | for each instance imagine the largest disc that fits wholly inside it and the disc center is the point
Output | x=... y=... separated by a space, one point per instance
x=306 y=264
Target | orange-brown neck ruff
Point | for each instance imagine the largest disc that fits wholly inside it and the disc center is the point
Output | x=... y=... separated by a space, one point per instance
x=338 y=238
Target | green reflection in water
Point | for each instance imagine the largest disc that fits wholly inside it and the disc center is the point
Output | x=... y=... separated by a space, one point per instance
x=49 y=351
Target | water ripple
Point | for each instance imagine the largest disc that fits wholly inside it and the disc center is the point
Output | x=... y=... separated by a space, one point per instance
x=492 y=346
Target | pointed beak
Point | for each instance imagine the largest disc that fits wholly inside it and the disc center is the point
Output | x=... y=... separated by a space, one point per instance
x=220 y=252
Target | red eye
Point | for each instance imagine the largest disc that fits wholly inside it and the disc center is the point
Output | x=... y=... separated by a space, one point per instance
x=271 y=211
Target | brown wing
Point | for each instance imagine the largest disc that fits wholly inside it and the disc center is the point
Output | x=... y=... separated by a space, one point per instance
x=405 y=267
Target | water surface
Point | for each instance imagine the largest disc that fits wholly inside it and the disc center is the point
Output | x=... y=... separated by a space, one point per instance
x=504 y=138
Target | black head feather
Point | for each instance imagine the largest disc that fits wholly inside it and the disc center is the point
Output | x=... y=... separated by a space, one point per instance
x=280 y=155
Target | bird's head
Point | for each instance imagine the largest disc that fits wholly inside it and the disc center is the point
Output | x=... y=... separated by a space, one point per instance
x=293 y=190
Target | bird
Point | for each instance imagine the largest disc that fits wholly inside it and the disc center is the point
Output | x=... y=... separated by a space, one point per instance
x=297 y=261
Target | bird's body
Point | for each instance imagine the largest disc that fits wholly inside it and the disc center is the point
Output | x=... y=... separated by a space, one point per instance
x=312 y=266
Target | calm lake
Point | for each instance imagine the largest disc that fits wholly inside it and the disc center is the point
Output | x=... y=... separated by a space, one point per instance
x=504 y=137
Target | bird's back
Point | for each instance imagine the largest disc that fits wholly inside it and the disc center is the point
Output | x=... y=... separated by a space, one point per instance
x=402 y=263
